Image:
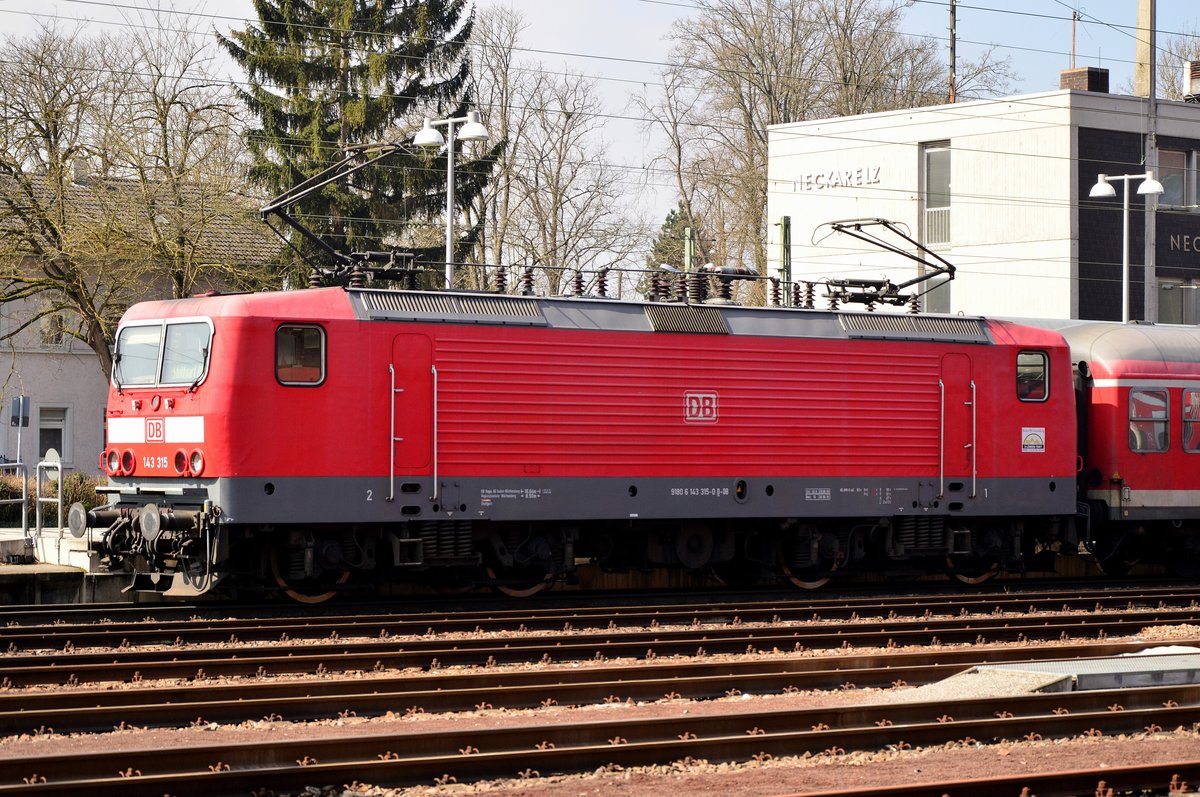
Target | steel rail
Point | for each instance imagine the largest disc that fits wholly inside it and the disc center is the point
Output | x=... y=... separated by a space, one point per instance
x=430 y=653
x=101 y=710
x=1154 y=778
x=408 y=758
x=15 y=628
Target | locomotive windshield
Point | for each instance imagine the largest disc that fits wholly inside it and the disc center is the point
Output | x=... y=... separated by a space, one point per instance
x=165 y=353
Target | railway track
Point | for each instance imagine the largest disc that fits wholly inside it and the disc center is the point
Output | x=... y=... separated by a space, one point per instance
x=433 y=652
x=638 y=654
x=92 y=710
x=21 y=630
x=421 y=757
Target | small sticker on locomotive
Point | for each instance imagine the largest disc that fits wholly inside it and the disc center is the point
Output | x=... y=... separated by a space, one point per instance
x=817 y=494
x=1033 y=439
x=700 y=407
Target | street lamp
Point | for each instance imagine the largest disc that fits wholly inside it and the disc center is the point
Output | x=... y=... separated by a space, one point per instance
x=1103 y=188
x=472 y=130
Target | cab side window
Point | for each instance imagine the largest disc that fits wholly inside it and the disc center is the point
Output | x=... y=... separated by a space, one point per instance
x=1148 y=413
x=1191 y=420
x=1033 y=372
x=300 y=354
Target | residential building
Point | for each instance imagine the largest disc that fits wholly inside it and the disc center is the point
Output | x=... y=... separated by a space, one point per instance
x=60 y=374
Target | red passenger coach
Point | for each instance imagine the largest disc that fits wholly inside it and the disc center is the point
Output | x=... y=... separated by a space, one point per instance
x=315 y=439
x=1140 y=404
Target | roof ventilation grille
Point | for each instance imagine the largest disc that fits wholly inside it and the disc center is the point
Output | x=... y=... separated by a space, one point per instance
x=686 y=318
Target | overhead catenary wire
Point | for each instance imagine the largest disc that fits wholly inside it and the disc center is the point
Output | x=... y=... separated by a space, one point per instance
x=649 y=169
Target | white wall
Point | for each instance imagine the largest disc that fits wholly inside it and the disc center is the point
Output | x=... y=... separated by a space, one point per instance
x=64 y=376
x=1012 y=174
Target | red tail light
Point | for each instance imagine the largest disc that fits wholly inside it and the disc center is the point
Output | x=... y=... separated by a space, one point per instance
x=181 y=462
x=127 y=462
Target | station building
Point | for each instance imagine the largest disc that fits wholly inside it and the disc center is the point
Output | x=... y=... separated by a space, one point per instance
x=1000 y=188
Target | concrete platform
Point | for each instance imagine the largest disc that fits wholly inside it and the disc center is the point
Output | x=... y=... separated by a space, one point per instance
x=53 y=567
x=1166 y=666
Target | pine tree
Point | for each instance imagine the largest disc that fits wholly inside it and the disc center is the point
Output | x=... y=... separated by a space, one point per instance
x=668 y=247
x=327 y=74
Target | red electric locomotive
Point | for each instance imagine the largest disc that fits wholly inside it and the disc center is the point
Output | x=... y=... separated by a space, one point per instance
x=311 y=440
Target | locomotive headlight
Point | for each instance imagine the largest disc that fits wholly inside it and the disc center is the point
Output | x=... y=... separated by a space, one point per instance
x=197 y=462
x=181 y=462
x=127 y=462
x=114 y=463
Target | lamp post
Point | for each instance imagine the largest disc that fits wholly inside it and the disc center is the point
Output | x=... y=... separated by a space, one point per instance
x=472 y=130
x=1103 y=188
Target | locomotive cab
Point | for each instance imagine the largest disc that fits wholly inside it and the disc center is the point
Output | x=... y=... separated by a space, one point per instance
x=157 y=456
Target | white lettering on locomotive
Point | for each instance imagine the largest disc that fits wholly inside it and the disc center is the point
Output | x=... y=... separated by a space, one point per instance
x=700 y=407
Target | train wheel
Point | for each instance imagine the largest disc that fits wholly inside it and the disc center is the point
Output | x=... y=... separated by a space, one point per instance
x=972 y=570
x=828 y=561
x=519 y=583
x=305 y=590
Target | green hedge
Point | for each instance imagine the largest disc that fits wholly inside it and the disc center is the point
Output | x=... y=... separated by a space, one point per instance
x=76 y=487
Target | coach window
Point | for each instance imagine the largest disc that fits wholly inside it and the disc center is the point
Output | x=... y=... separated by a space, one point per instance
x=1032 y=372
x=1148 y=420
x=1191 y=420
x=300 y=355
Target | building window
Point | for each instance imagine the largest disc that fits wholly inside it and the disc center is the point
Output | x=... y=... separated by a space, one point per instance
x=935 y=192
x=52 y=331
x=1173 y=174
x=300 y=355
x=1148 y=420
x=53 y=432
x=937 y=299
x=1177 y=302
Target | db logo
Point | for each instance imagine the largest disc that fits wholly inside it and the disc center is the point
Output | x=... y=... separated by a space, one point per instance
x=700 y=407
x=156 y=430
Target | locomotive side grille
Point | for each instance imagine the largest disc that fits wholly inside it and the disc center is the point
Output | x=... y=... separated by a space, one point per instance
x=408 y=305
x=686 y=318
x=895 y=325
x=920 y=535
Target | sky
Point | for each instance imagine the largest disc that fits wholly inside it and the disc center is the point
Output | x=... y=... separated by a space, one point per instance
x=623 y=43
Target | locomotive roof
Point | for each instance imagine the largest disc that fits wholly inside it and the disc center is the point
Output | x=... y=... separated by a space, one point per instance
x=1112 y=349
x=592 y=313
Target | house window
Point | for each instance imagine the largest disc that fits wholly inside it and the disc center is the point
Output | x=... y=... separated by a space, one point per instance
x=53 y=331
x=935 y=193
x=53 y=432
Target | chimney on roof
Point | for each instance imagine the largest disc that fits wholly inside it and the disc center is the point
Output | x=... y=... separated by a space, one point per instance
x=1085 y=78
x=80 y=169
